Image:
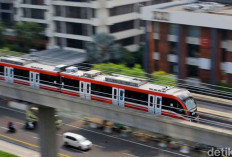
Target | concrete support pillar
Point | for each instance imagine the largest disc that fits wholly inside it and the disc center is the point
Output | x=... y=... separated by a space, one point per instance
x=205 y=55
x=163 y=47
x=182 y=51
x=47 y=131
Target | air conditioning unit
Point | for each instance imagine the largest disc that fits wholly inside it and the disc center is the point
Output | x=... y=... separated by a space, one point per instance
x=71 y=69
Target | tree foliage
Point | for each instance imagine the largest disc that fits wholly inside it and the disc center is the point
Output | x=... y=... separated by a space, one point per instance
x=2 y=37
x=28 y=34
x=110 y=68
x=163 y=78
x=103 y=49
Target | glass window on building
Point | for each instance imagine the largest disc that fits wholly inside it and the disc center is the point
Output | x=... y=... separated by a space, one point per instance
x=193 y=31
x=193 y=50
x=75 y=43
x=57 y=10
x=173 y=47
x=125 y=9
x=192 y=71
x=118 y=27
x=6 y=6
x=224 y=55
x=156 y=45
x=173 y=68
x=173 y=29
x=58 y=26
x=156 y=29
x=126 y=41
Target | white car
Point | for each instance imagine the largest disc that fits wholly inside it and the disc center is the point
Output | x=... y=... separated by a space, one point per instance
x=75 y=140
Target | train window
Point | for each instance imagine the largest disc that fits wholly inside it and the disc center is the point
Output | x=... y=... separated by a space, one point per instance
x=115 y=93
x=1 y=70
x=172 y=105
x=49 y=80
x=71 y=84
x=151 y=100
x=136 y=97
x=82 y=86
x=87 y=88
x=101 y=90
x=21 y=74
x=121 y=93
x=158 y=100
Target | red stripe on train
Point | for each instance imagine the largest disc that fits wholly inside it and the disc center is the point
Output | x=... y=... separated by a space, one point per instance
x=22 y=82
x=2 y=78
x=105 y=100
x=136 y=107
x=173 y=115
x=49 y=88
x=70 y=92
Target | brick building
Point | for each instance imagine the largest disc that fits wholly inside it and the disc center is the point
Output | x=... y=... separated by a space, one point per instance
x=191 y=39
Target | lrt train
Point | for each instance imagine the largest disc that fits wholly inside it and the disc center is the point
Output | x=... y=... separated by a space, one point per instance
x=119 y=90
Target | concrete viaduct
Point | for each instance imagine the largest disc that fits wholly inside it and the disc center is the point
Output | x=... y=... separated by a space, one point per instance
x=49 y=101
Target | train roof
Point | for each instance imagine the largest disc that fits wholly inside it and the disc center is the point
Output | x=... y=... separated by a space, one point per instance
x=128 y=81
x=27 y=63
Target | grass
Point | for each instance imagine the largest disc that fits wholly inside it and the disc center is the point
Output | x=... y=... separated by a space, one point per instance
x=10 y=53
x=5 y=154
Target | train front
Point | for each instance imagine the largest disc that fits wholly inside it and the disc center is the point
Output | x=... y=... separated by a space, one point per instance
x=186 y=97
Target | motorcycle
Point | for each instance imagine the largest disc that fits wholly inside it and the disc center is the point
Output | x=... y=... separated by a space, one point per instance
x=11 y=128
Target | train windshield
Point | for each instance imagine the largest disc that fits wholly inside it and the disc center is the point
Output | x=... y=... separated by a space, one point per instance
x=190 y=103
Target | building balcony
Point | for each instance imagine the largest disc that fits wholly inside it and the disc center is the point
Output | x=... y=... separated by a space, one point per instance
x=127 y=33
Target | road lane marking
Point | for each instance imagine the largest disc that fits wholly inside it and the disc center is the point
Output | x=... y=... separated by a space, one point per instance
x=127 y=140
x=4 y=128
x=26 y=143
x=35 y=137
x=19 y=123
x=98 y=146
x=129 y=154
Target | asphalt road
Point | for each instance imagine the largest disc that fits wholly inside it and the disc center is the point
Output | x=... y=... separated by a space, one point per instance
x=104 y=144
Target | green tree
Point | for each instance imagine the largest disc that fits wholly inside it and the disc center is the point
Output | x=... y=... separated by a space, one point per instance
x=127 y=57
x=28 y=34
x=2 y=37
x=110 y=68
x=163 y=78
x=103 y=49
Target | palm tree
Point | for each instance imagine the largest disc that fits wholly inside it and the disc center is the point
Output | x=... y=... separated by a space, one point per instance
x=103 y=49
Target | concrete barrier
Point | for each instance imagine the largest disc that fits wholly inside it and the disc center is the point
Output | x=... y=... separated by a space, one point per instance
x=170 y=127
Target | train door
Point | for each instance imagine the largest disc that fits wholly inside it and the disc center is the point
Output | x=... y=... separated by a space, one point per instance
x=118 y=97
x=34 y=79
x=81 y=89
x=115 y=96
x=85 y=90
x=158 y=105
x=9 y=74
x=88 y=91
x=121 y=97
x=151 y=103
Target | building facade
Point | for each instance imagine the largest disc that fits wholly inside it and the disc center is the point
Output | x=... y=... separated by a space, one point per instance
x=6 y=12
x=70 y=24
x=190 y=39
